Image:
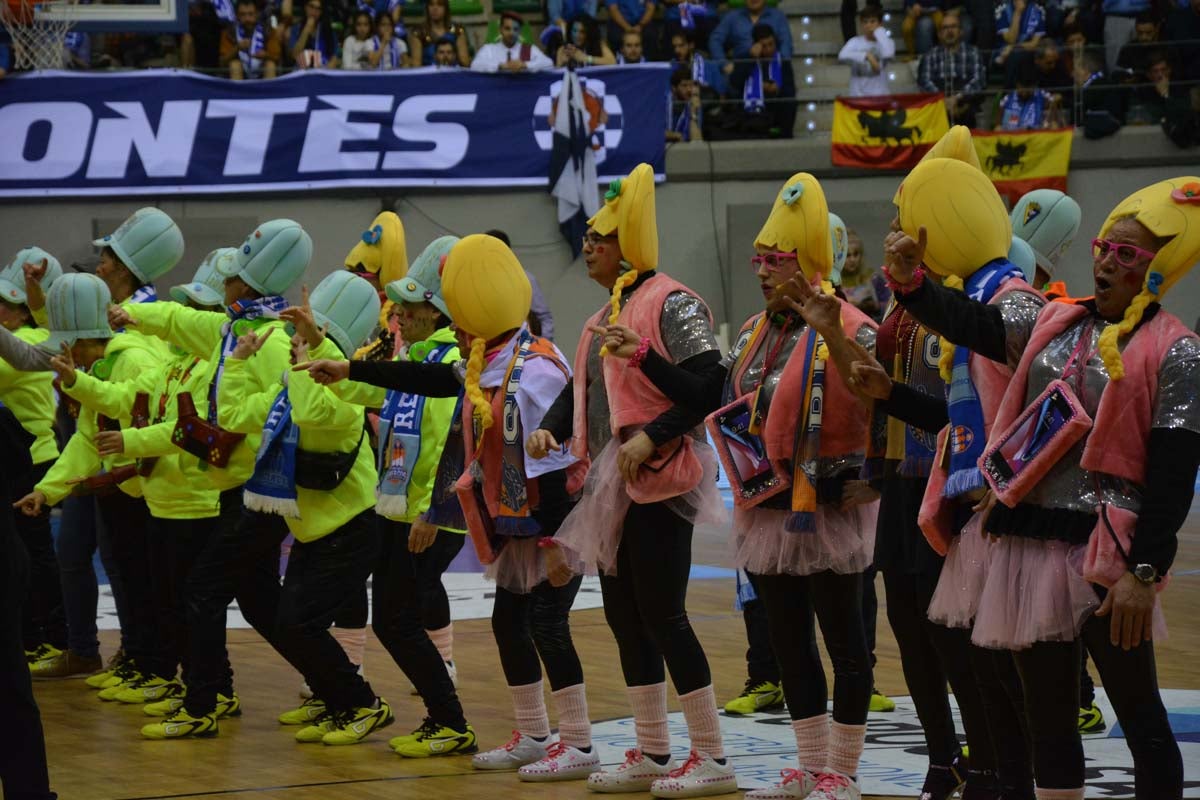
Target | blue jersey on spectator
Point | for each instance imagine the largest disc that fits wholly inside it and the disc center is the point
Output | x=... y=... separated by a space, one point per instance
x=734 y=33
x=1032 y=22
x=570 y=9
x=377 y=7
x=1126 y=8
x=695 y=9
x=1018 y=115
x=79 y=46
x=631 y=10
x=705 y=73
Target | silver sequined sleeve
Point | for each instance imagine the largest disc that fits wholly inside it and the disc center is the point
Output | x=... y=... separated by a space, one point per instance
x=686 y=327
x=1178 y=401
x=1019 y=310
x=866 y=337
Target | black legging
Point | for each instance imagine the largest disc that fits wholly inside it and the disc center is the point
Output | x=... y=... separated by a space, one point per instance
x=794 y=603
x=45 y=620
x=645 y=603
x=761 y=665
x=1050 y=677
x=128 y=520
x=533 y=625
x=1004 y=706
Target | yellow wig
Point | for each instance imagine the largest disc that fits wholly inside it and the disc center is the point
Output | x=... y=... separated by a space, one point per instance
x=629 y=210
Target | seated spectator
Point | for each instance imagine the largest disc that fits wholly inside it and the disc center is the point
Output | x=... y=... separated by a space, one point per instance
x=698 y=17
x=636 y=16
x=249 y=48
x=510 y=54
x=359 y=46
x=1101 y=99
x=704 y=72
x=200 y=47
x=584 y=46
x=734 y=35
x=955 y=69
x=868 y=55
x=919 y=28
x=1183 y=31
x=1120 y=17
x=864 y=288
x=767 y=86
x=1020 y=25
x=686 y=113
x=1163 y=102
x=375 y=8
x=1132 y=66
x=445 y=54
x=631 y=49
x=77 y=47
x=312 y=42
x=1028 y=107
x=423 y=38
x=1052 y=72
x=390 y=51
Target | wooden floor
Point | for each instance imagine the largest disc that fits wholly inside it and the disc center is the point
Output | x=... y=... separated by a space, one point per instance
x=96 y=753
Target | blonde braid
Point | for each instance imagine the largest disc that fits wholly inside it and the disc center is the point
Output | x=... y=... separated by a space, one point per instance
x=483 y=409
x=946 y=360
x=1107 y=344
x=623 y=280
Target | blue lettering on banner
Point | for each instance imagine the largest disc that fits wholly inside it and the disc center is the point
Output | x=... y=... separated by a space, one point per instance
x=168 y=131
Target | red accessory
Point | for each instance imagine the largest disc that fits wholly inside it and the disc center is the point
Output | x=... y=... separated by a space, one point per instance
x=918 y=278
x=639 y=355
x=547 y=541
x=1127 y=256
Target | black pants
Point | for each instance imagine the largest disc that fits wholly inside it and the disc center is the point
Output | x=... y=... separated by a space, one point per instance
x=1087 y=686
x=322 y=577
x=1004 y=706
x=645 y=603
x=870 y=610
x=45 y=620
x=533 y=626
x=794 y=603
x=23 y=772
x=1050 y=677
x=761 y=664
x=240 y=561
x=128 y=520
x=847 y=16
x=403 y=586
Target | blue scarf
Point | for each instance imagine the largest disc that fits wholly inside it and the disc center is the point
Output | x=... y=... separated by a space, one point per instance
x=745 y=590
x=391 y=58
x=251 y=63
x=690 y=13
x=400 y=443
x=142 y=294
x=803 y=518
x=242 y=315
x=272 y=487
x=752 y=94
x=682 y=124
x=1023 y=115
x=967 y=438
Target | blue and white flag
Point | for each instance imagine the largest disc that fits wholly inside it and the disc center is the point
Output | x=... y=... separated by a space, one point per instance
x=573 y=163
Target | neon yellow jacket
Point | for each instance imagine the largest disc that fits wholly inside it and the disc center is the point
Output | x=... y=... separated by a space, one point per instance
x=178 y=487
x=130 y=359
x=30 y=395
x=327 y=424
x=200 y=333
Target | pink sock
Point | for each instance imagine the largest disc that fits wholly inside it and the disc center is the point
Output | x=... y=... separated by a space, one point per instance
x=1058 y=794
x=812 y=742
x=443 y=640
x=649 y=704
x=353 y=641
x=704 y=727
x=574 y=727
x=529 y=710
x=845 y=747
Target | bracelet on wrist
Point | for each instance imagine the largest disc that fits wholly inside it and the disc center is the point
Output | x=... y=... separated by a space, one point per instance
x=639 y=355
x=918 y=278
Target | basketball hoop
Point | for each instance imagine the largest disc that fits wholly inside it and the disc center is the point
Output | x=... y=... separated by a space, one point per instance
x=39 y=39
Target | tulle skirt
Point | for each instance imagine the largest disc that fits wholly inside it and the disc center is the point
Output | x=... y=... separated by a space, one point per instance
x=521 y=565
x=844 y=541
x=956 y=600
x=592 y=532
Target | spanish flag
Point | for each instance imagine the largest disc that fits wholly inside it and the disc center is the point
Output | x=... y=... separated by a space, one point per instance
x=890 y=132
x=1021 y=161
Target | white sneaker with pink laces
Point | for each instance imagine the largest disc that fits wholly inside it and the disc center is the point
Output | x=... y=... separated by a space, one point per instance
x=700 y=776
x=519 y=751
x=562 y=762
x=835 y=786
x=797 y=784
x=635 y=775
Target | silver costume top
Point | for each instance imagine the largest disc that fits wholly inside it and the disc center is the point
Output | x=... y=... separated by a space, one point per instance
x=686 y=330
x=1019 y=310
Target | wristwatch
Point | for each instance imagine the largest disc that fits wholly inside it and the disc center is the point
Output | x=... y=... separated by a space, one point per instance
x=1146 y=574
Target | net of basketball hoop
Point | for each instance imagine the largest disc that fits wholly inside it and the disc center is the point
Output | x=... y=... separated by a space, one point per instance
x=39 y=38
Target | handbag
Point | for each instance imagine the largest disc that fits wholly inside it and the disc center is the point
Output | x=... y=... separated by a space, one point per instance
x=753 y=477
x=140 y=418
x=194 y=434
x=105 y=483
x=480 y=525
x=324 y=472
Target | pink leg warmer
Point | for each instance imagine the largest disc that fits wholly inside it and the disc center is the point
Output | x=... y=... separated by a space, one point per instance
x=443 y=640
x=812 y=742
x=353 y=641
x=649 y=704
x=529 y=710
x=704 y=727
x=574 y=727
x=1058 y=794
x=845 y=747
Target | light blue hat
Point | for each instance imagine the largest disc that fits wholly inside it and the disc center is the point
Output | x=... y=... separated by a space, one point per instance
x=1021 y=254
x=12 y=279
x=273 y=257
x=207 y=287
x=423 y=283
x=149 y=243
x=841 y=245
x=1048 y=220
x=77 y=306
x=349 y=306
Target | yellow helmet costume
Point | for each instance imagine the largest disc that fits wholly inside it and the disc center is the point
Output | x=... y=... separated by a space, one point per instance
x=957 y=144
x=629 y=210
x=487 y=294
x=1169 y=209
x=381 y=251
x=799 y=222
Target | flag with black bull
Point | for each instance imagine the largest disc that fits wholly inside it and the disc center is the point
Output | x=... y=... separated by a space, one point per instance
x=573 y=163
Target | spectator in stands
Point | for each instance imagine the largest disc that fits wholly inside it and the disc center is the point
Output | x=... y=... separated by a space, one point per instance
x=392 y=49
x=631 y=49
x=423 y=38
x=510 y=54
x=767 y=86
x=868 y=55
x=250 y=48
x=1168 y=104
x=1120 y=18
x=919 y=28
x=1183 y=31
x=864 y=287
x=635 y=16
x=954 y=68
x=686 y=112
x=734 y=35
x=562 y=12
x=704 y=72
x=77 y=46
x=312 y=42
x=376 y=8
x=1052 y=73
x=584 y=45
x=1132 y=65
x=1102 y=100
x=359 y=46
x=537 y=306
x=445 y=54
x=1028 y=107
x=200 y=47
x=1020 y=25
x=698 y=17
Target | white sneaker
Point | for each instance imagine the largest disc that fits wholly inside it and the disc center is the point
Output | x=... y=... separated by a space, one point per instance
x=519 y=751
x=835 y=786
x=700 y=776
x=797 y=784
x=451 y=670
x=562 y=763
x=635 y=775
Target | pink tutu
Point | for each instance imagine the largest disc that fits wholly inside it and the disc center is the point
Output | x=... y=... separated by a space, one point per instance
x=844 y=541
x=591 y=533
x=521 y=565
x=956 y=600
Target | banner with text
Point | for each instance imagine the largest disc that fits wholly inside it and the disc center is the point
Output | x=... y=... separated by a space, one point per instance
x=167 y=131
